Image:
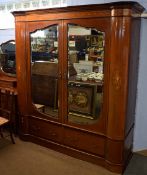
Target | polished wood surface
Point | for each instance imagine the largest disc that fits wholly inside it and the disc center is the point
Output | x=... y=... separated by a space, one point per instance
x=107 y=142
x=8 y=82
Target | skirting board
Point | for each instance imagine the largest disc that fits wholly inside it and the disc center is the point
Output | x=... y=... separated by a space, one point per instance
x=142 y=152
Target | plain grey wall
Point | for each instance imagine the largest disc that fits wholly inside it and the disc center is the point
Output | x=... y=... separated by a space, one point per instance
x=7 y=34
x=140 y=135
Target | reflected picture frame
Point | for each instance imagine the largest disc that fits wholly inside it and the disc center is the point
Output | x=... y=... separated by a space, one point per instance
x=81 y=99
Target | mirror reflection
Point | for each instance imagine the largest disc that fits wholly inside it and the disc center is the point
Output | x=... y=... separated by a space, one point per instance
x=7 y=58
x=85 y=74
x=44 y=70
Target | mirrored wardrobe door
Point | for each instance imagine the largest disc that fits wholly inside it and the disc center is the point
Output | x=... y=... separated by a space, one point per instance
x=85 y=74
x=86 y=78
x=45 y=70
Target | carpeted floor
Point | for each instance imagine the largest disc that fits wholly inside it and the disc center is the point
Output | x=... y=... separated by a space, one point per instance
x=137 y=165
x=25 y=158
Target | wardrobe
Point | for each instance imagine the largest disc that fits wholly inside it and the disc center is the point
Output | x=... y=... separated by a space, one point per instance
x=76 y=79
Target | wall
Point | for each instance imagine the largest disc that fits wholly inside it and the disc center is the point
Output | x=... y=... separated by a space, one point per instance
x=7 y=20
x=7 y=34
x=140 y=137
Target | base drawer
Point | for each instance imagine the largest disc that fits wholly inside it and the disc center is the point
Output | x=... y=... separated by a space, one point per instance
x=84 y=141
x=44 y=129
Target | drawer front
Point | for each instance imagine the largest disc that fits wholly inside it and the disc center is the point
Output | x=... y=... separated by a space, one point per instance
x=84 y=141
x=44 y=129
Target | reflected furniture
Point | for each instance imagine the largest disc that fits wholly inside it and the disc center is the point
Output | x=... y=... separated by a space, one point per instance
x=104 y=35
x=40 y=107
x=44 y=83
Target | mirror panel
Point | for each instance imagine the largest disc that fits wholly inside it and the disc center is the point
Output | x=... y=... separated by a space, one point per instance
x=44 y=70
x=85 y=74
x=8 y=58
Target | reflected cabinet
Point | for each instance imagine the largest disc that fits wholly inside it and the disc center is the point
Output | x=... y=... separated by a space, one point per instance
x=77 y=75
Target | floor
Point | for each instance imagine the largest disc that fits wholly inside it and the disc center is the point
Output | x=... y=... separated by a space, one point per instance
x=25 y=158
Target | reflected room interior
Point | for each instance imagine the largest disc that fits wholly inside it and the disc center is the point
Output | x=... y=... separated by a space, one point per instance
x=85 y=72
x=85 y=87
x=44 y=70
x=8 y=58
